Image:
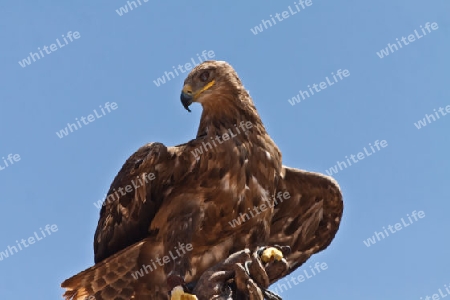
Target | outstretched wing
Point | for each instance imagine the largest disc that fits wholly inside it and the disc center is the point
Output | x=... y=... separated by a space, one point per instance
x=133 y=199
x=309 y=219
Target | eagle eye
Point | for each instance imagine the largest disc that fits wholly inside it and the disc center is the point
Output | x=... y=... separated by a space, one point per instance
x=204 y=76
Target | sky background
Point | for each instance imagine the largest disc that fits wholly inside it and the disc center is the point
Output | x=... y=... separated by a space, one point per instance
x=117 y=58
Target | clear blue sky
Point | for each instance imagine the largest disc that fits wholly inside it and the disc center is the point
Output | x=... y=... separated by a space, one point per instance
x=117 y=58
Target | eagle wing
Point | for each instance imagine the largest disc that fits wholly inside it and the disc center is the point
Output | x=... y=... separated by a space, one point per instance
x=133 y=199
x=308 y=221
x=122 y=240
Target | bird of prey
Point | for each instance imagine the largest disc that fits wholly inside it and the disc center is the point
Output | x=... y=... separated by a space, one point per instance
x=223 y=191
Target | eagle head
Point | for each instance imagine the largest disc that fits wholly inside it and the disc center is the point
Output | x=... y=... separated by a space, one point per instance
x=207 y=79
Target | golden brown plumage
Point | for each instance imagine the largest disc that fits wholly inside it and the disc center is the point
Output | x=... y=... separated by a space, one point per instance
x=194 y=198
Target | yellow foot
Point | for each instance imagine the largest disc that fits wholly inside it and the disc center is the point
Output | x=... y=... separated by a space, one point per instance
x=179 y=294
x=271 y=254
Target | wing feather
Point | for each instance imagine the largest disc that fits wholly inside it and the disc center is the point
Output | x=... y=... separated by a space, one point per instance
x=310 y=218
x=133 y=199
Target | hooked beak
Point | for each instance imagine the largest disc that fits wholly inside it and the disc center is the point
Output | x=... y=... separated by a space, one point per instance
x=186 y=97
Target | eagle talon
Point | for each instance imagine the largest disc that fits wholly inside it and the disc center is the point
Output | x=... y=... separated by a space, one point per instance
x=270 y=254
x=179 y=294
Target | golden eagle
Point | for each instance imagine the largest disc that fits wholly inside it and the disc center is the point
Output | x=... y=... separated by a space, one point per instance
x=222 y=192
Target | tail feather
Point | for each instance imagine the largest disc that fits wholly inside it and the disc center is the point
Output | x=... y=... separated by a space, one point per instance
x=110 y=279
